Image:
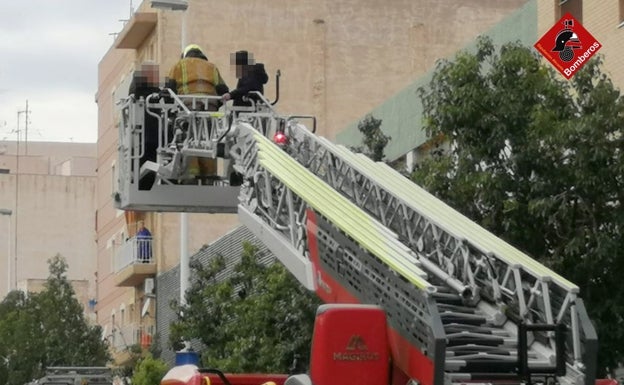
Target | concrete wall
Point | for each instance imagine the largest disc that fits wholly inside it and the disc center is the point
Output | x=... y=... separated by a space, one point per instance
x=81 y=289
x=50 y=189
x=401 y=114
x=48 y=158
x=51 y=214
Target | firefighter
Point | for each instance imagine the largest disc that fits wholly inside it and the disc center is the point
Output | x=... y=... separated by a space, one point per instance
x=194 y=74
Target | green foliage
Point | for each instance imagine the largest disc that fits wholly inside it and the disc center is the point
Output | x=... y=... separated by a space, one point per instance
x=374 y=140
x=46 y=329
x=258 y=320
x=135 y=353
x=149 y=371
x=538 y=161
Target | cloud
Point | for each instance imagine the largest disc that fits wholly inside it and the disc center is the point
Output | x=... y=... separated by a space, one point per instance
x=54 y=116
x=51 y=50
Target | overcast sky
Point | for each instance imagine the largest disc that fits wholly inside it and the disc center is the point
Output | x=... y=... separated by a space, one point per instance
x=50 y=51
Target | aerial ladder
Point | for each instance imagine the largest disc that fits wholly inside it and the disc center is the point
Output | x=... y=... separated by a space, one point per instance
x=461 y=304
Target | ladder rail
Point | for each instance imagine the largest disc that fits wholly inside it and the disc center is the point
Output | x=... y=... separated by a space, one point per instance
x=492 y=268
x=283 y=195
x=283 y=191
x=386 y=195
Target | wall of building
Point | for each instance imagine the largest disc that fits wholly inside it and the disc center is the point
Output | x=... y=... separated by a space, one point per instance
x=110 y=229
x=51 y=214
x=401 y=114
x=48 y=158
x=81 y=288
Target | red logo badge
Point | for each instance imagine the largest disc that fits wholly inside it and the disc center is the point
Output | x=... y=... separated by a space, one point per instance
x=567 y=45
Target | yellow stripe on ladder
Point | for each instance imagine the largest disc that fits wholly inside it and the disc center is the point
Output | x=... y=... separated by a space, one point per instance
x=349 y=218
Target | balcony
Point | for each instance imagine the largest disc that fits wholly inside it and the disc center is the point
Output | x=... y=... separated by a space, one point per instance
x=125 y=337
x=134 y=262
x=137 y=30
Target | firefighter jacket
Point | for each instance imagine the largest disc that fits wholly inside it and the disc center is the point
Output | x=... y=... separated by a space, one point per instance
x=197 y=76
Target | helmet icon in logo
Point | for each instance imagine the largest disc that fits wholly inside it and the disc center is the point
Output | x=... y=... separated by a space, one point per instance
x=567 y=41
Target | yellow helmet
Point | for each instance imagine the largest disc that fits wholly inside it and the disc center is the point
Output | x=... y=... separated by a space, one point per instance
x=192 y=47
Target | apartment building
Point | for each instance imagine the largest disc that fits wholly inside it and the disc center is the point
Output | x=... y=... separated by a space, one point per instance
x=47 y=202
x=338 y=60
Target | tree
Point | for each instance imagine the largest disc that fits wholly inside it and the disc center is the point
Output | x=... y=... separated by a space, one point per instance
x=374 y=141
x=45 y=329
x=260 y=319
x=538 y=161
x=149 y=371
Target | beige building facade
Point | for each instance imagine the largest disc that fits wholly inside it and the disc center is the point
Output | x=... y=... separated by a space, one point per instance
x=338 y=59
x=49 y=190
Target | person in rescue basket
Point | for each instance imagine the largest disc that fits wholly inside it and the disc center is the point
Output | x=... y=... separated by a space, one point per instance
x=195 y=74
x=251 y=77
x=144 y=83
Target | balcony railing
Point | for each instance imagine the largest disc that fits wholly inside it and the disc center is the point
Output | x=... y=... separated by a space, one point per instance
x=132 y=334
x=134 y=261
x=134 y=250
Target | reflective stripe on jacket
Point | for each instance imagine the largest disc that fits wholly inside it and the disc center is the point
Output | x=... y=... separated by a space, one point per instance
x=196 y=76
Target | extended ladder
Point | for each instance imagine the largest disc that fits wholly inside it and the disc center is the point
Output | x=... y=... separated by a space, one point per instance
x=462 y=304
x=460 y=295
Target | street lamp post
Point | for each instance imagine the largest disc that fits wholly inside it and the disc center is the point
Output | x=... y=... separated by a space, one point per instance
x=8 y=213
x=180 y=5
x=185 y=356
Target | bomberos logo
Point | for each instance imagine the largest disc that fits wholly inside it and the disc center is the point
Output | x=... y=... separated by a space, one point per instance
x=567 y=45
x=356 y=350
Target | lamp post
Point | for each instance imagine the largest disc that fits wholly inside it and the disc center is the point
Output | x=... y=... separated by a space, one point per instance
x=185 y=356
x=8 y=213
x=180 y=5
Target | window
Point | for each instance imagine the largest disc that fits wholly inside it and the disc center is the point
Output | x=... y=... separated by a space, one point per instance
x=621 y=16
x=575 y=7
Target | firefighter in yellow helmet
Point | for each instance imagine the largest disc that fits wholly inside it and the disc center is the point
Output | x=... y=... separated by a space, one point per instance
x=195 y=74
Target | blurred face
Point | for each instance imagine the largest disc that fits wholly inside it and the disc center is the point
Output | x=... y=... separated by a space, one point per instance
x=150 y=71
x=239 y=70
x=241 y=62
